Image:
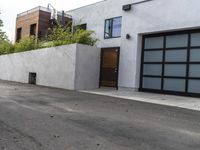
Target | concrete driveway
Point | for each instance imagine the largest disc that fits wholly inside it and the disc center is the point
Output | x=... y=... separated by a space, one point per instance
x=161 y=99
x=38 y=118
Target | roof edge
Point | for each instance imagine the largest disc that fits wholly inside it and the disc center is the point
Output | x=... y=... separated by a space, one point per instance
x=38 y=8
x=87 y=5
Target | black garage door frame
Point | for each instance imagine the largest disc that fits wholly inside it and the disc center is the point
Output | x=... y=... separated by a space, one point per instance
x=163 y=63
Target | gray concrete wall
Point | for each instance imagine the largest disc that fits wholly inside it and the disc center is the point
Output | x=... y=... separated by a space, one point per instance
x=150 y=17
x=87 y=67
x=55 y=67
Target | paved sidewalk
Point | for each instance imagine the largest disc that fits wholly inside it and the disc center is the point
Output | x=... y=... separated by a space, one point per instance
x=162 y=99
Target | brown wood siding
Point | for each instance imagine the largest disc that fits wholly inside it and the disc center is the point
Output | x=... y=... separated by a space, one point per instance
x=40 y=18
x=43 y=24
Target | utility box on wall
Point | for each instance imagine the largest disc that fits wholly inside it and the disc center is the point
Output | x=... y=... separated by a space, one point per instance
x=72 y=67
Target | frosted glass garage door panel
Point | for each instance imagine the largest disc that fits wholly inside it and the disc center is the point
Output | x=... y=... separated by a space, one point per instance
x=176 y=56
x=174 y=85
x=194 y=86
x=174 y=41
x=152 y=83
x=175 y=70
x=154 y=42
x=195 y=55
x=195 y=39
x=153 y=56
x=194 y=70
x=151 y=69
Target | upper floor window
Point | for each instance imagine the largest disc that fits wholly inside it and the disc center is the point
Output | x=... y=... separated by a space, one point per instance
x=113 y=28
x=33 y=29
x=83 y=26
x=19 y=34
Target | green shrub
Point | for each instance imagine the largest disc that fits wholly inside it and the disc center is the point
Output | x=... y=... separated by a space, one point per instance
x=6 y=47
x=25 y=44
x=3 y=36
x=84 y=37
x=45 y=44
x=58 y=36
x=59 y=33
x=62 y=36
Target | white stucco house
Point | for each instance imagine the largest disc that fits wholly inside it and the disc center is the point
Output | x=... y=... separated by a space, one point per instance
x=157 y=42
x=146 y=45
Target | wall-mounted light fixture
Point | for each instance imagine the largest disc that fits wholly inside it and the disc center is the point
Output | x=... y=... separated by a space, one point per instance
x=128 y=36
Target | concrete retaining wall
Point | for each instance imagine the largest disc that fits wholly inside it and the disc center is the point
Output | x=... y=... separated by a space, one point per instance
x=72 y=67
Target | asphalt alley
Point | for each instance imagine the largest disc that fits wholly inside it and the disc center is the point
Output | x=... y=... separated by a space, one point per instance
x=41 y=118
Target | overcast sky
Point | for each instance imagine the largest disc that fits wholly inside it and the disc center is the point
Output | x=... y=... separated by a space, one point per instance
x=10 y=8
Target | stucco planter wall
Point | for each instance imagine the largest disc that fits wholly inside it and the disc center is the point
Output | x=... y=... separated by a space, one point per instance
x=72 y=67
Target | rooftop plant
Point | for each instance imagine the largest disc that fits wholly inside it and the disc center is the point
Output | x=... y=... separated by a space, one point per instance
x=6 y=47
x=26 y=44
x=61 y=36
x=58 y=35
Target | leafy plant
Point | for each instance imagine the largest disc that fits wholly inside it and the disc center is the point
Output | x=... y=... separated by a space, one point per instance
x=3 y=36
x=84 y=37
x=61 y=36
x=6 y=47
x=45 y=44
x=58 y=35
x=25 y=44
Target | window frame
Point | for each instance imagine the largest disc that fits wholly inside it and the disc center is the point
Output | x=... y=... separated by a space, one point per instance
x=83 y=26
x=33 y=29
x=188 y=78
x=80 y=26
x=111 y=30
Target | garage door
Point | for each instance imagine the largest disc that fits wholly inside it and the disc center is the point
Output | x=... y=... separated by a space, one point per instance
x=171 y=63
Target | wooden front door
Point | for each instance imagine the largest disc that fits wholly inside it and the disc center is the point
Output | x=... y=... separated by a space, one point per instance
x=109 y=67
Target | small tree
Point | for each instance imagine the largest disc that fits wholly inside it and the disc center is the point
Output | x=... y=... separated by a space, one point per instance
x=5 y=45
x=84 y=37
x=3 y=36
x=60 y=35
x=25 y=44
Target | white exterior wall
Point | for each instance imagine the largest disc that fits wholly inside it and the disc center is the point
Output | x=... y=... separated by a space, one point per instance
x=150 y=17
x=55 y=67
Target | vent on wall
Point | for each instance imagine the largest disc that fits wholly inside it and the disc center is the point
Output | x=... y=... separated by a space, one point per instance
x=32 y=78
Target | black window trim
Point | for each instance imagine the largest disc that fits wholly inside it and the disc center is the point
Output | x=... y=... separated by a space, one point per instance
x=31 y=31
x=18 y=35
x=111 y=19
x=80 y=26
x=163 y=76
